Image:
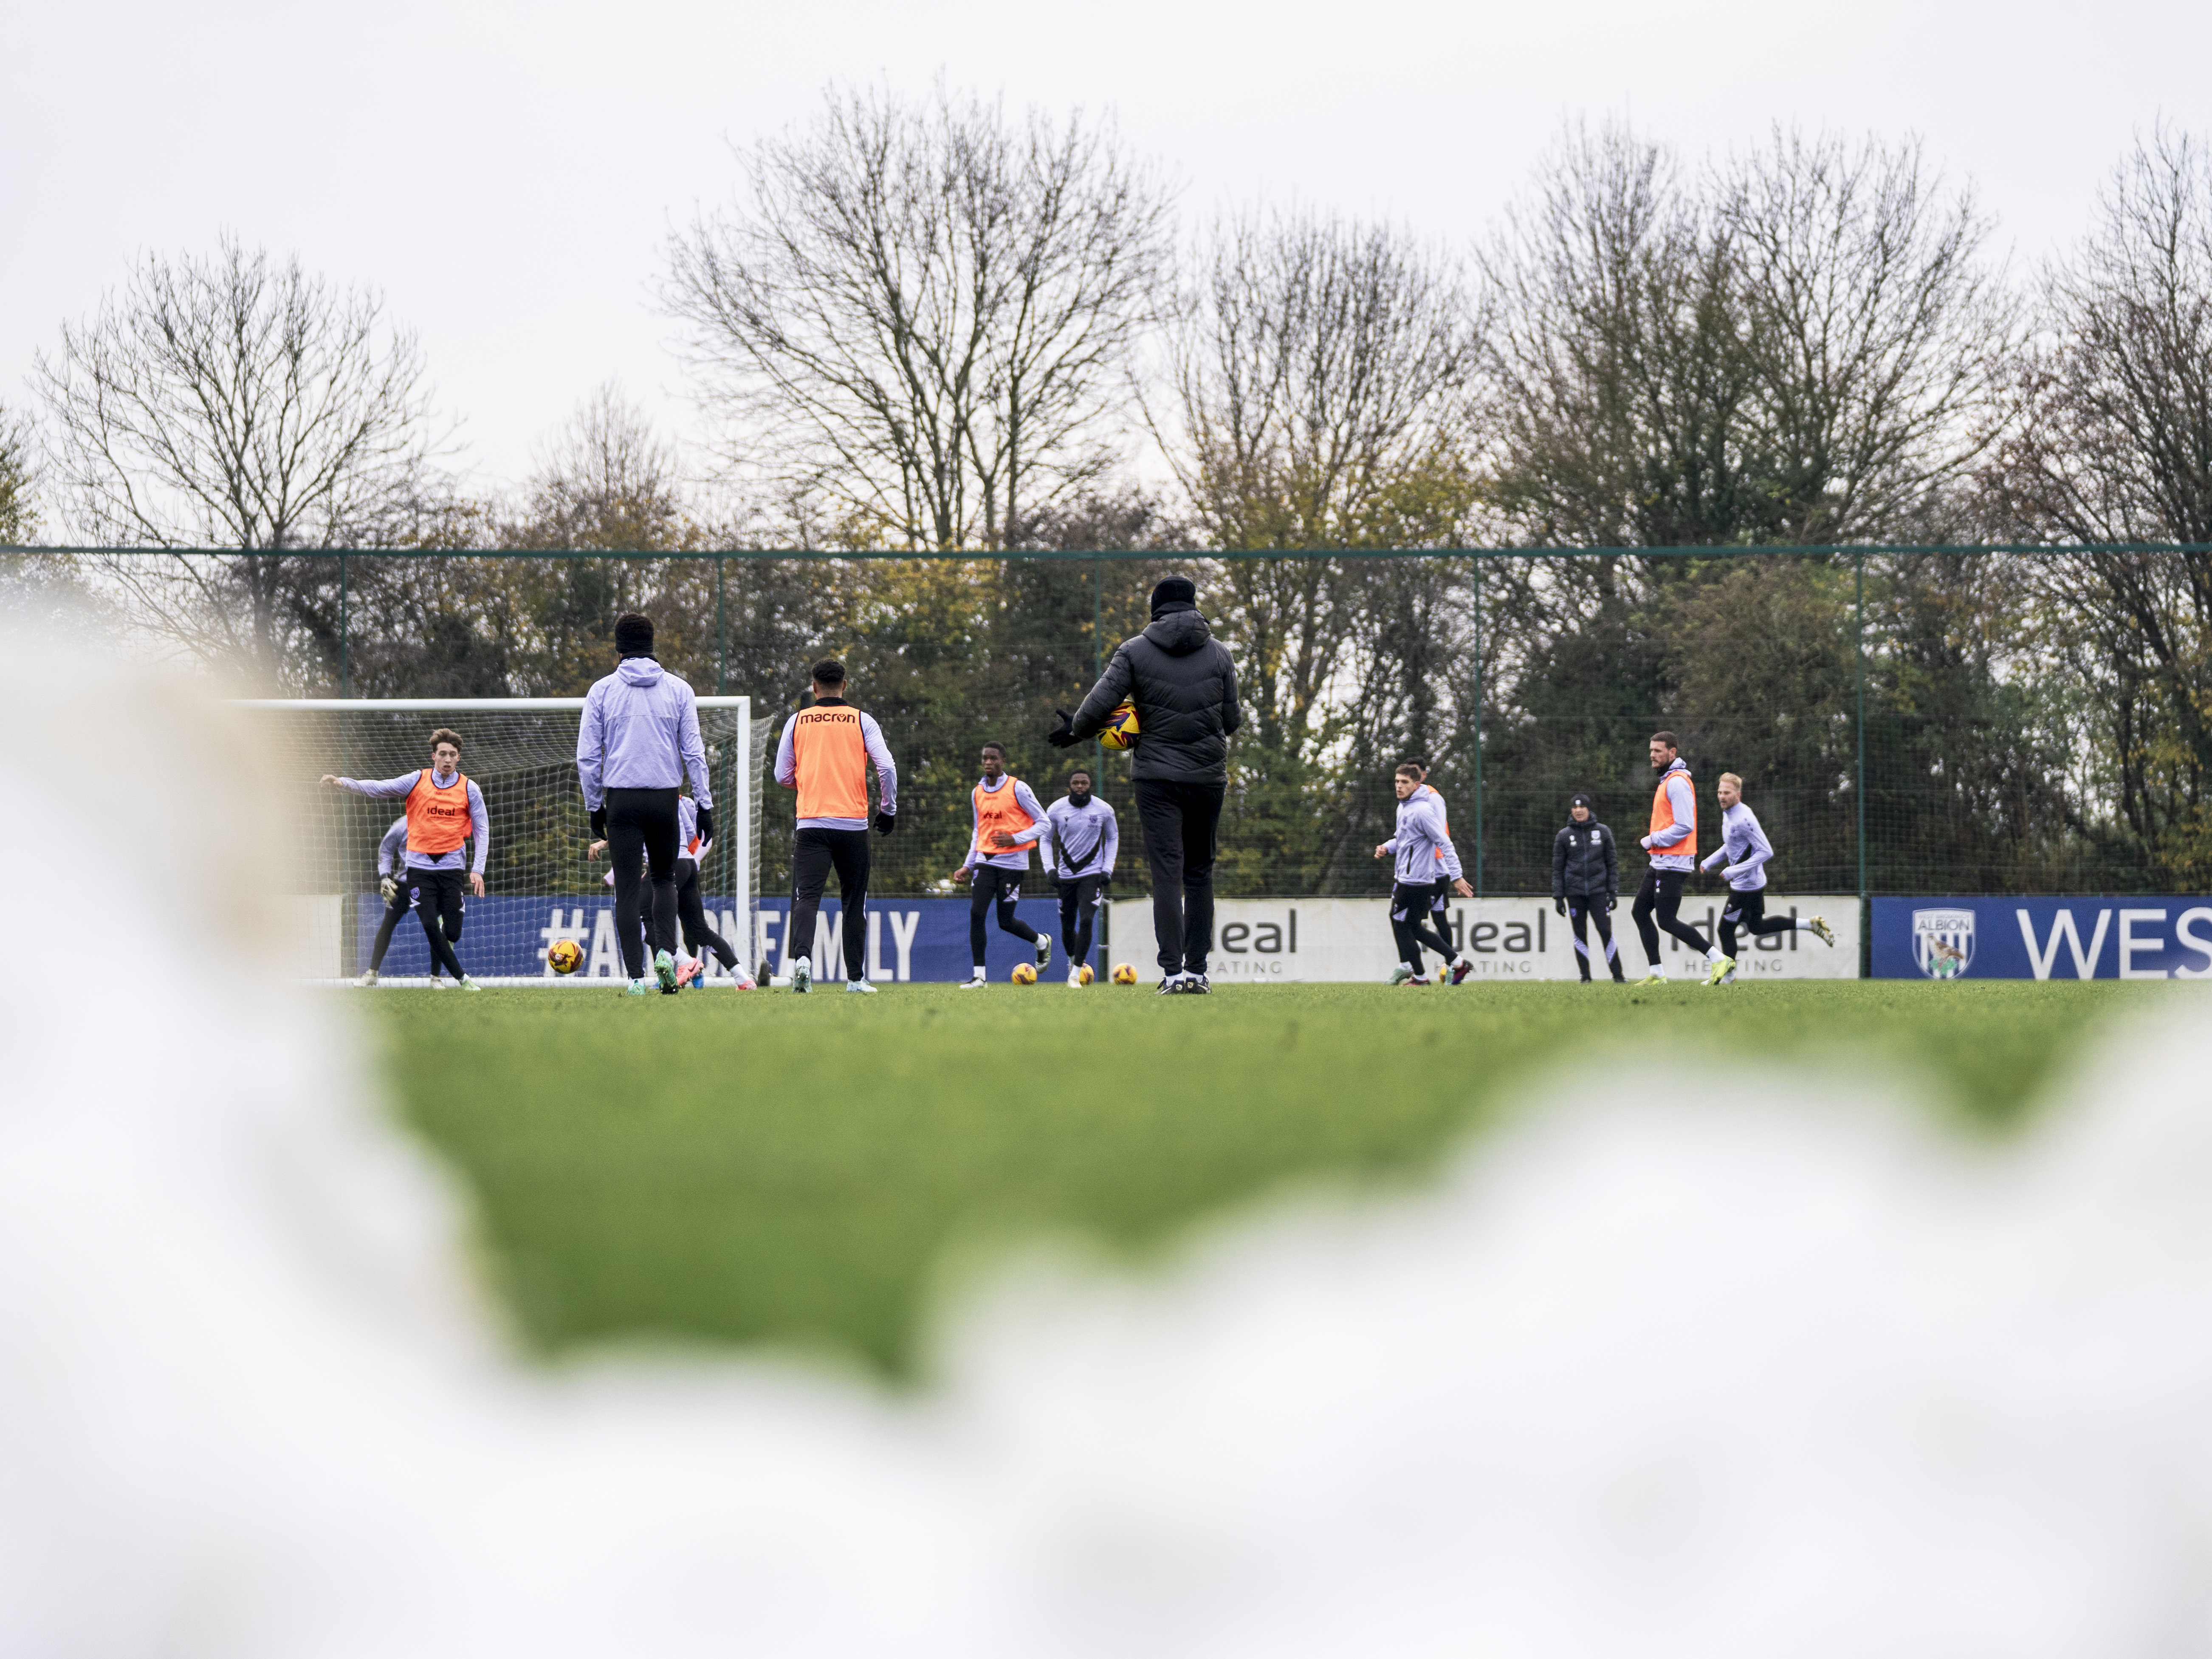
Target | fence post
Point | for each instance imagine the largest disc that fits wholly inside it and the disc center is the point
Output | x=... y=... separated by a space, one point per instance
x=345 y=663
x=721 y=632
x=1478 y=888
x=1858 y=642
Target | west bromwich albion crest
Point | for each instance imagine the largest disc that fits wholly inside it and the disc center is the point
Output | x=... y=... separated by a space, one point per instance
x=1943 y=942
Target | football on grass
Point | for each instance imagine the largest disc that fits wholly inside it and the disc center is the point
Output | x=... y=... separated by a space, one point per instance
x=1120 y=730
x=1125 y=973
x=1024 y=972
x=1086 y=975
x=565 y=955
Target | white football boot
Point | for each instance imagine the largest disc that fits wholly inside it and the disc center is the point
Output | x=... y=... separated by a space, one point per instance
x=861 y=987
x=1820 y=930
x=802 y=976
x=367 y=978
x=1044 y=952
x=1075 y=979
x=1400 y=974
x=975 y=984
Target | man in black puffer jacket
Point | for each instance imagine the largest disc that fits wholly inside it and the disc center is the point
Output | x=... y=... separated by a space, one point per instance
x=1184 y=686
x=1586 y=883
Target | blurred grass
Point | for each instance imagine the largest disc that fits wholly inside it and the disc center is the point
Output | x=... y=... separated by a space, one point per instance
x=765 y=1168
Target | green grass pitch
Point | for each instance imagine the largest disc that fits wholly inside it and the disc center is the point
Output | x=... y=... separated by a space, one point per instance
x=795 y=1171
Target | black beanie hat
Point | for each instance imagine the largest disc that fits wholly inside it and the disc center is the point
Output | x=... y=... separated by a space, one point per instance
x=1173 y=590
x=633 y=635
x=1578 y=798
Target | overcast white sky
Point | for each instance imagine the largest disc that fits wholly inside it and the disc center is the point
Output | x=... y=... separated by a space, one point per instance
x=508 y=173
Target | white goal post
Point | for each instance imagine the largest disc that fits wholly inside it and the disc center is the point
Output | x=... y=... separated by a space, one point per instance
x=540 y=884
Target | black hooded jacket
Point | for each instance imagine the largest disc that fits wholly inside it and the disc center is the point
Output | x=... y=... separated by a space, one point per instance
x=1184 y=685
x=1585 y=862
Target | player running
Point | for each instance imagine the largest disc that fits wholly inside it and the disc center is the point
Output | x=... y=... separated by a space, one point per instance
x=1085 y=838
x=1426 y=861
x=1586 y=883
x=1008 y=823
x=824 y=754
x=699 y=936
x=1184 y=685
x=1744 y=850
x=444 y=810
x=637 y=739
x=1440 y=891
x=1673 y=844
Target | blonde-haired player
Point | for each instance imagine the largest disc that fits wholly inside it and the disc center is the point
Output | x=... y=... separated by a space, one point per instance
x=1744 y=851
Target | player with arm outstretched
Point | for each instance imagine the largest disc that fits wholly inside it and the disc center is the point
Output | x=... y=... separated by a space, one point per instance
x=1586 y=881
x=1425 y=856
x=445 y=811
x=1008 y=823
x=1745 y=850
x=1085 y=838
x=1673 y=844
x=825 y=753
x=637 y=741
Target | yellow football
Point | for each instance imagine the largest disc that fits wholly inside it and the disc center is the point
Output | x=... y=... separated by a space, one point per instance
x=1024 y=972
x=1086 y=975
x=1120 y=730
x=1125 y=973
x=565 y=955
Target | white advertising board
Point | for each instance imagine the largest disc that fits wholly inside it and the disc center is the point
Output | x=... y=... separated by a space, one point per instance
x=1286 y=941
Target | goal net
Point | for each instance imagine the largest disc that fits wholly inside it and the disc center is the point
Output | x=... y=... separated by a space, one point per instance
x=540 y=883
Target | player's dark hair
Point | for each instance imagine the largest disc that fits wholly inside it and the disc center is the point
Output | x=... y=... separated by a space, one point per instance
x=1667 y=738
x=633 y=634
x=997 y=748
x=1081 y=772
x=1419 y=763
x=442 y=735
x=1410 y=770
x=828 y=672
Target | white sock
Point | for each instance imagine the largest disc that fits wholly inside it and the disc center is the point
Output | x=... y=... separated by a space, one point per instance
x=978 y=974
x=1712 y=953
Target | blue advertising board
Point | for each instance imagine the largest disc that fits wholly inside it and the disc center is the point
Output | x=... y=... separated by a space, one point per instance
x=504 y=937
x=2138 y=937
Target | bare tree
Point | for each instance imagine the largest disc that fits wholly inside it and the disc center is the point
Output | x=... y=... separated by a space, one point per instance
x=917 y=315
x=605 y=479
x=2113 y=443
x=1877 y=334
x=19 y=479
x=235 y=404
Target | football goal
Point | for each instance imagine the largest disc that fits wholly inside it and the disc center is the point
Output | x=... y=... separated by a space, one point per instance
x=540 y=883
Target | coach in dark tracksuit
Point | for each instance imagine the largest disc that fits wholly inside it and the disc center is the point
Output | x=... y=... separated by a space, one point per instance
x=1586 y=883
x=1184 y=687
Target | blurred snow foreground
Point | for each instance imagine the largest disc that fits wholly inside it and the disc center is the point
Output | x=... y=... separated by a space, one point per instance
x=1798 y=1377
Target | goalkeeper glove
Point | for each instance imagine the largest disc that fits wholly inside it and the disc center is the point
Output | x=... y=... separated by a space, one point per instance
x=885 y=822
x=1063 y=735
x=706 y=823
x=1559 y=905
x=389 y=886
x=1610 y=901
x=598 y=823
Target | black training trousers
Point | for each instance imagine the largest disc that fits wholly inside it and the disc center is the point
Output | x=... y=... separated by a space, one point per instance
x=398 y=905
x=1662 y=892
x=1004 y=887
x=1182 y=836
x=814 y=854
x=1413 y=904
x=1079 y=908
x=435 y=897
x=642 y=831
x=1586 y=909
x=1748 y=912
x=692 y=913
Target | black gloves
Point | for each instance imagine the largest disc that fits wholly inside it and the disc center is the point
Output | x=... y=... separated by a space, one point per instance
x=1560 y=905
x=1062 y=736
x=706 y=823
x=1610 y=901
x=598 y=823
x=885 y=822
